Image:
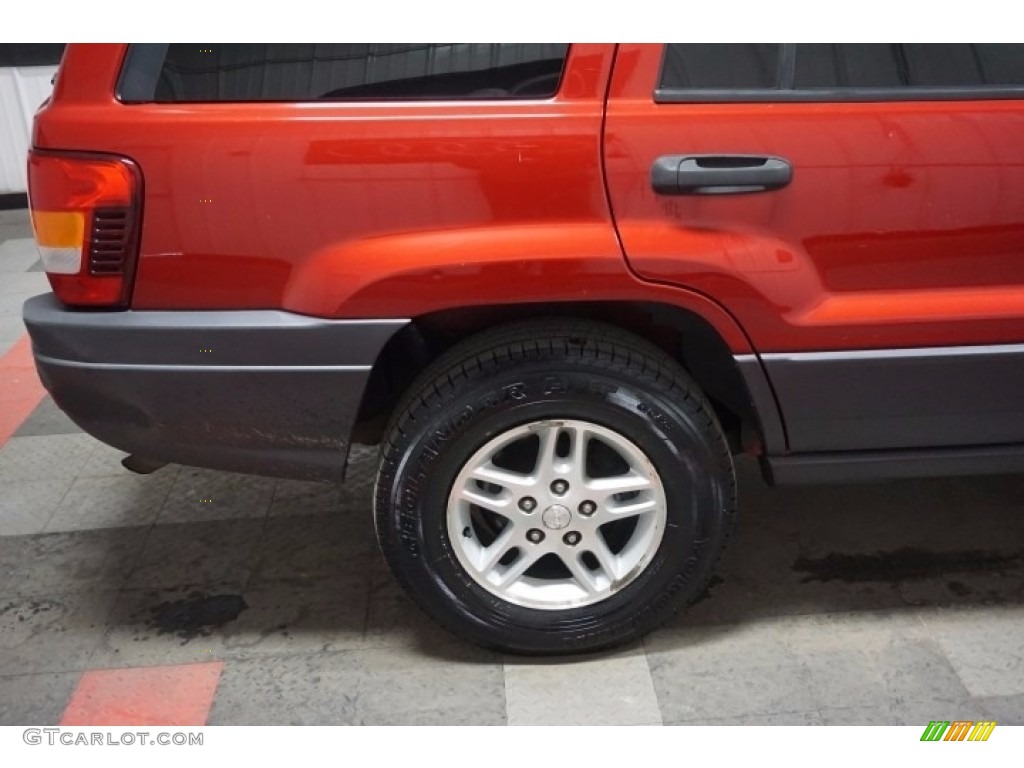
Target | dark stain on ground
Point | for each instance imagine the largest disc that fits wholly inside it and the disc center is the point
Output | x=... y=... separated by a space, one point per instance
x=195 y=616
x=907 y=564
x=24 y=610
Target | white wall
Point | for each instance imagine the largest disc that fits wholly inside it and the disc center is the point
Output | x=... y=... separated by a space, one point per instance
x=22 y=90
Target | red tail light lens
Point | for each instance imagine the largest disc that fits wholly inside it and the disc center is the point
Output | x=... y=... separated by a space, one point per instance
x=85 y=213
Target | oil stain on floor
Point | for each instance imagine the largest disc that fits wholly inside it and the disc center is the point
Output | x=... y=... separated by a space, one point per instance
x=906 y=564
x=196 y=615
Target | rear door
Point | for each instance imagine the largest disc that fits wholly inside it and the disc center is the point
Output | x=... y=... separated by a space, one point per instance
x=858 y=208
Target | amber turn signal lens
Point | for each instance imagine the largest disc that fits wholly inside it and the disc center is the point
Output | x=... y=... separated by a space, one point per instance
x=60 y=236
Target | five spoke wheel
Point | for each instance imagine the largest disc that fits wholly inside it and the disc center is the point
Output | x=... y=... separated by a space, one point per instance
x=556 y=514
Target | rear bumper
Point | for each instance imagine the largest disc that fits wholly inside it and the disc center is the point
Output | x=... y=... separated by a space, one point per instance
x=266 y=392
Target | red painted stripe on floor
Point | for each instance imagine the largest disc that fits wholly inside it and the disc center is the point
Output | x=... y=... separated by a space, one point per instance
x=173 y=695
x=20 y=388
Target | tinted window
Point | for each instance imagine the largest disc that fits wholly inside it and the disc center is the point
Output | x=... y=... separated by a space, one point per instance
x=854 y=65
x=908 y=65
x=725 y=66
x=30 y=54
x=308 y=72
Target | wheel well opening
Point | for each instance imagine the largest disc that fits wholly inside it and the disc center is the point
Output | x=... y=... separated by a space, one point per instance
x=683 y=335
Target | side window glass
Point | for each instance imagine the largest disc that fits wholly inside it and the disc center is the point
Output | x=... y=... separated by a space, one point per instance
x=910 y=65
x=763 y=72
x=849 y=66
x=1000 y=64
x=312 y=72
x=30 y=54
x=720 y=66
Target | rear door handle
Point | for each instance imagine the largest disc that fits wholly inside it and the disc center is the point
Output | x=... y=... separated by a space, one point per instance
x=719 y=174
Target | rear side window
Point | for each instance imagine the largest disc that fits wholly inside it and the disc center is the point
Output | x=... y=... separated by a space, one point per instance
x=840 y=72
x=177 y=73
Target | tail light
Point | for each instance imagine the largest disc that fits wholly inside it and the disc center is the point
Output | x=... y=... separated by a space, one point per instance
x=85 y=213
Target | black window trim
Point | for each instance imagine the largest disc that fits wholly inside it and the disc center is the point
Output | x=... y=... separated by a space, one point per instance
x=782 y=93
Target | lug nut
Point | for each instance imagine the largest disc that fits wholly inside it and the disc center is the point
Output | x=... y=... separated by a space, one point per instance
x=527 y=504
x=572 y=538
x=587 y=508
x=535 y=535
x=559 y=487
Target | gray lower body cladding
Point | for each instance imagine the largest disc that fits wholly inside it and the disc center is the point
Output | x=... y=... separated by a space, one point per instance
x=900 y=398
x=872 y=414
x=266 y=392
x=275 y=393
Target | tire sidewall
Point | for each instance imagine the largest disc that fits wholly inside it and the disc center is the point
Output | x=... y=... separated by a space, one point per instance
x=677 y=435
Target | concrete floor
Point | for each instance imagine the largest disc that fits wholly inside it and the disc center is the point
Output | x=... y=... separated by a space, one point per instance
x=893 y=603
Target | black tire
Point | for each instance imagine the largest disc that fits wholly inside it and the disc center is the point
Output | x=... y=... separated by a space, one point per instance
x=552 y=369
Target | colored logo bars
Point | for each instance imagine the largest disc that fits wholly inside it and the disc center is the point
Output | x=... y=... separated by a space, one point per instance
x=958 y=730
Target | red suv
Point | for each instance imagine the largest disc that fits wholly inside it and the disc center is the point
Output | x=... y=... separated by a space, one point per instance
x=562 y=286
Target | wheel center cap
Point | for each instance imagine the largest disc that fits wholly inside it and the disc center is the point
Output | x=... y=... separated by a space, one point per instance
x=556 y=517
